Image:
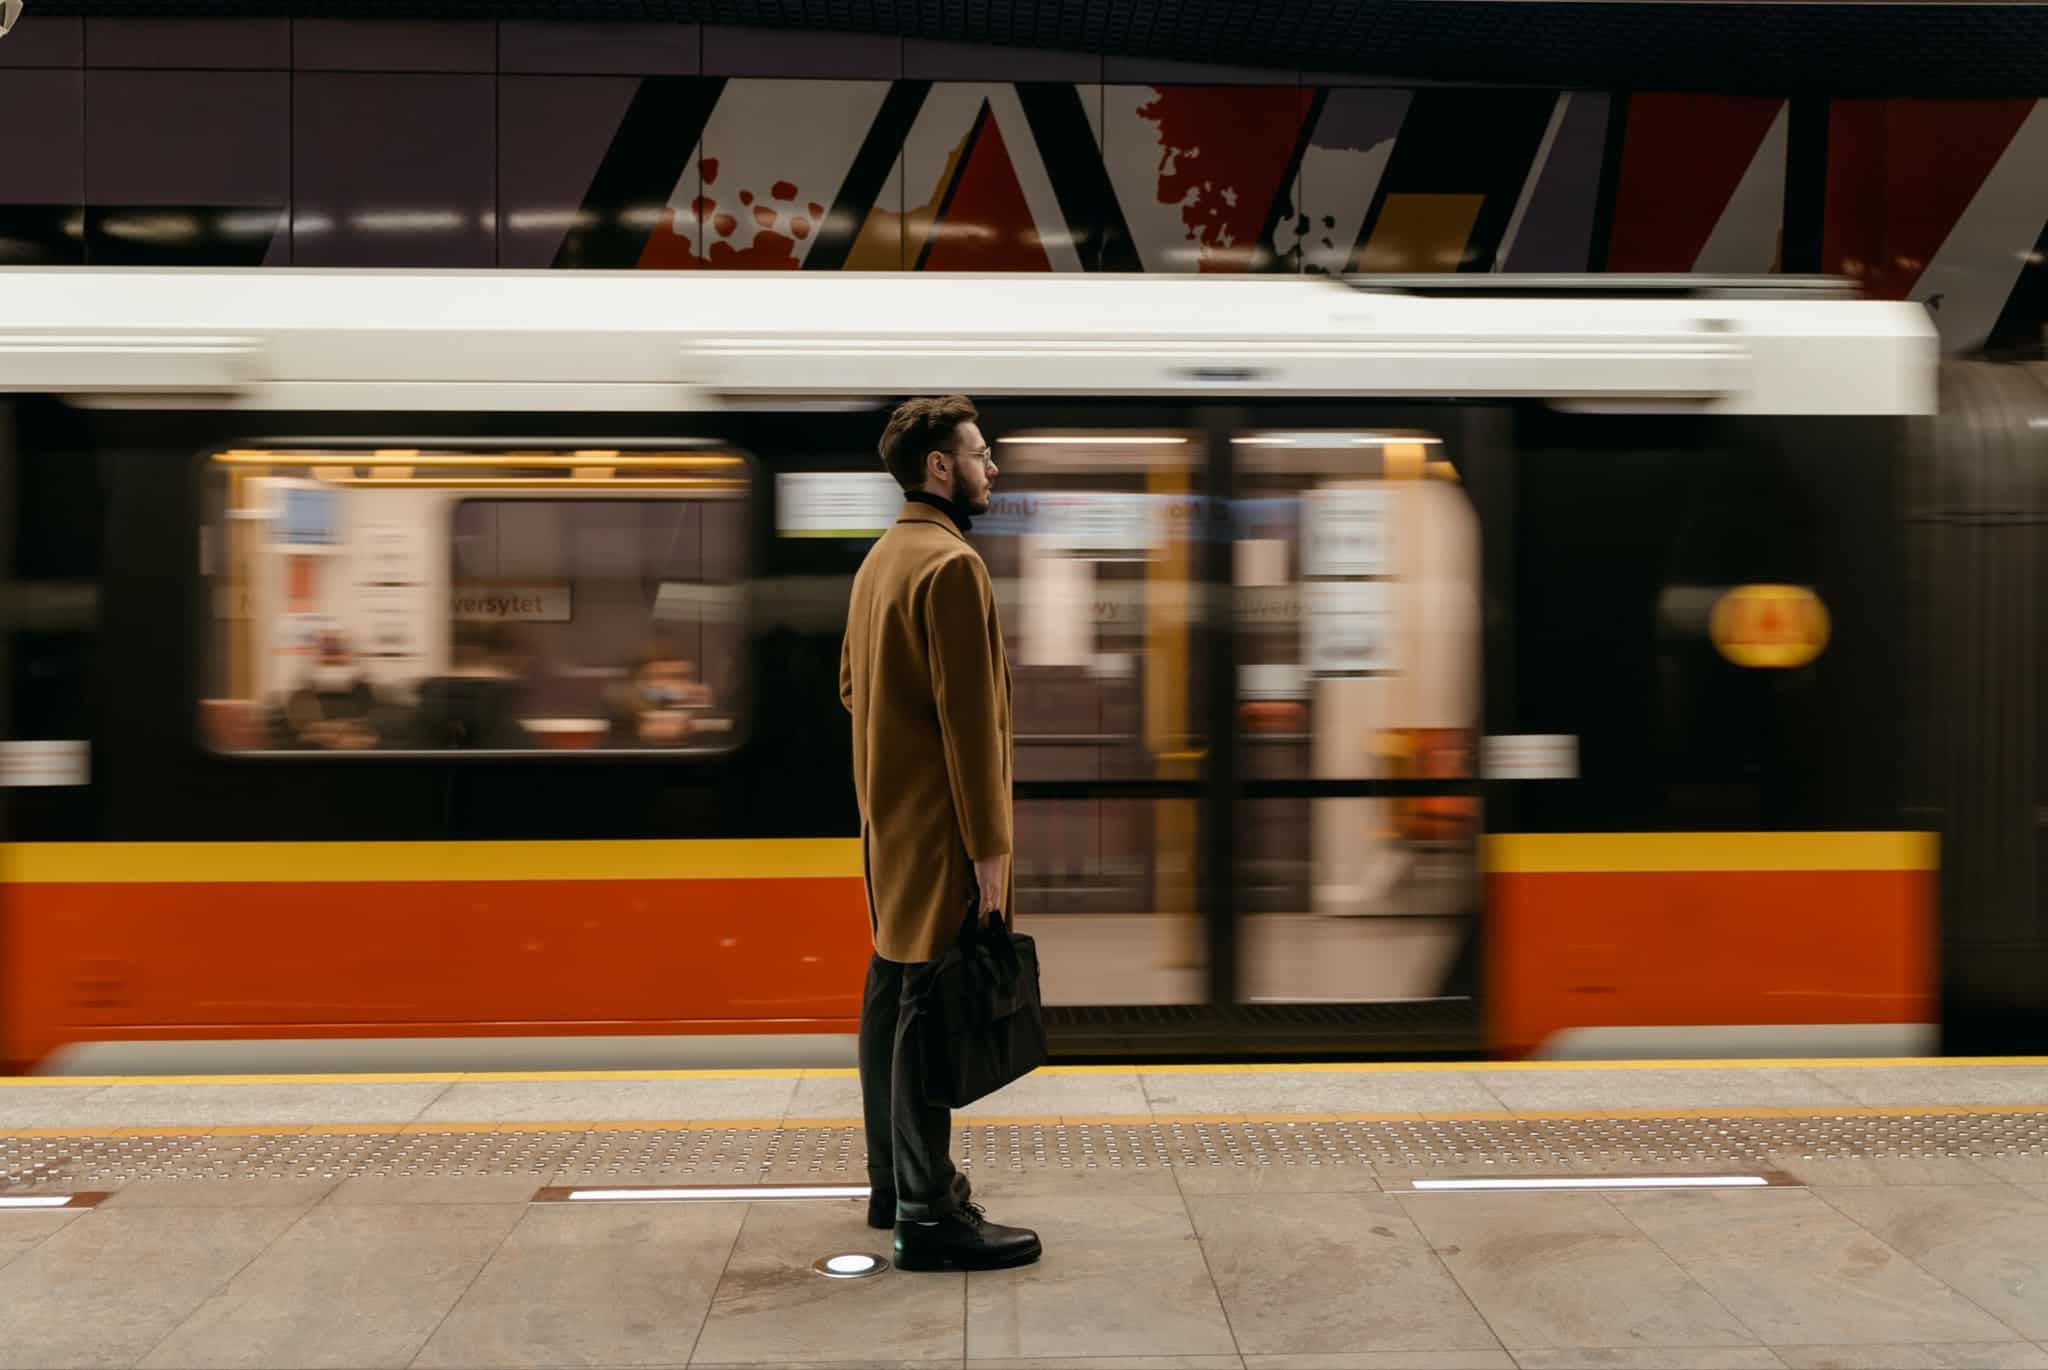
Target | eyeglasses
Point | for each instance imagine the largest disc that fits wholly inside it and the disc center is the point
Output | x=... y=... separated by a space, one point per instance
x=984 y=456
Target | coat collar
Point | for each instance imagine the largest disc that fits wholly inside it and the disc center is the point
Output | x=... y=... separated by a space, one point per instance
x=913 y=512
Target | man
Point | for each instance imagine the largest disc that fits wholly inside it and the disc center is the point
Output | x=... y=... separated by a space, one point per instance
x=924 y=673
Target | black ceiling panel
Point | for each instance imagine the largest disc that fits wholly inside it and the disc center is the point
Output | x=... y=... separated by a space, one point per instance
x=1816 y=47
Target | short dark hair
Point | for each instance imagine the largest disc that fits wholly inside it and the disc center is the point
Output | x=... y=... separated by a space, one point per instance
x=919 y=427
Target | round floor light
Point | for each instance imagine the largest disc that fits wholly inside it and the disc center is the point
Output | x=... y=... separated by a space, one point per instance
x=851 y=1265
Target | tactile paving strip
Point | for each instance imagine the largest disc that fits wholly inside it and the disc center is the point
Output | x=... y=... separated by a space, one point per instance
x=762 y=1153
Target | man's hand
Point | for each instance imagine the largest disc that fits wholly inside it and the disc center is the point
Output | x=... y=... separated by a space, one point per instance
x=988 y=875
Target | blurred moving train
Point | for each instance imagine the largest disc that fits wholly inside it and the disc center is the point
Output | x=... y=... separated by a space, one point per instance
x=417 y=669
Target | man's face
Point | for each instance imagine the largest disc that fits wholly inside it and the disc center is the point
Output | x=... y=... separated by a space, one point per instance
x=974 y=469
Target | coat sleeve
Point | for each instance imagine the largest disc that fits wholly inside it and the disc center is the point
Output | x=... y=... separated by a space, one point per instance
x=846 y=669
x=960 y=630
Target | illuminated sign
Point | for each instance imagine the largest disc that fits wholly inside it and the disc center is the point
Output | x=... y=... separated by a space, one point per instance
x=1774 y=627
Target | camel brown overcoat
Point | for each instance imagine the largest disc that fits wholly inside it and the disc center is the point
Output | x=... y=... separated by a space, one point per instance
x=925 y=675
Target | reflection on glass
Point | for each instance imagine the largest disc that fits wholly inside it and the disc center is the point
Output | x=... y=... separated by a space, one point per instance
x=401 y=601
x=1093 y=542
x=1357 y=570
x=1093 y=877
x=1407 y=945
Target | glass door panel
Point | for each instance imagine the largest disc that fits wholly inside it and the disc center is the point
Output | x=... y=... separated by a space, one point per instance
x=1357 y=599
x=1093 y=542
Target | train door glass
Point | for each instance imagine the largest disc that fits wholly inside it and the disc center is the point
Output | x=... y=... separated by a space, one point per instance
x=1092 y=540
x=1357 y=575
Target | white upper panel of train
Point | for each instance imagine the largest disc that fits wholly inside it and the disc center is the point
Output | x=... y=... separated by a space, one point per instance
x=513 y=341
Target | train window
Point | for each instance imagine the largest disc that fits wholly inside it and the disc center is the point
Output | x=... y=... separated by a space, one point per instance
x=368 y=601
x=1358 y=591
x=1094 y=538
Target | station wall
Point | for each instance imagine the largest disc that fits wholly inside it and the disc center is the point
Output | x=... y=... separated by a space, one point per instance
x=354 y=143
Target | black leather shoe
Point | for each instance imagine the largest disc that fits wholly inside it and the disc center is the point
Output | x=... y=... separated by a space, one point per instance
x=882 y=1202
x=965 y=1240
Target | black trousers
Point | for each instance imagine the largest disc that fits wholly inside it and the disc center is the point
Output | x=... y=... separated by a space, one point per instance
x=909 y=1140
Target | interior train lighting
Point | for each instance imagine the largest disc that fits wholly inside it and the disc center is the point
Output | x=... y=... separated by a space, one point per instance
x=1097 y=440
x=1335 y=440
x=244 y=457
x=1594 y=1182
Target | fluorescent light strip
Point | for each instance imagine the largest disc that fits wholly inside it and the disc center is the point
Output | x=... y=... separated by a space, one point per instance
x=730 y=1193
x=1100 y=440
x=36 y=1201
x=1600 y=1182
x=1323 y=440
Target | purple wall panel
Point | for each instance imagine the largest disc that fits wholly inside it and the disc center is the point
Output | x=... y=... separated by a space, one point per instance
x=185 y=168
x=187 y=137
x=190 y=44
x=801 y=55
x=394 y=170
x=391 y=45
x=43 y=186
x=552 y=135
x=599 y=49
x=41 y=41
x=1150 y=71
x=928 y=59
x=49 y=167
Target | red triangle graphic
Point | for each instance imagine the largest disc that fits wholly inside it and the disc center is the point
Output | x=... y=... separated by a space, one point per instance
x=1900 y=174
x=1681 y=160
x=986 y=224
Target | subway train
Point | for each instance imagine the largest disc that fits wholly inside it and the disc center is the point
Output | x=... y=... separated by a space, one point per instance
x=415 y=670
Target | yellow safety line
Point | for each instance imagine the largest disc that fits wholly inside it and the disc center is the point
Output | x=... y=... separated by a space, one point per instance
x=1123 y=1071
x=721 y=1125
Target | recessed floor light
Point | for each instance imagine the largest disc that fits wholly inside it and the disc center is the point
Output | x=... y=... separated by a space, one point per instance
x=710 y=1193
x=1592 y=1182
x=853 y=1265
x=92 y=1199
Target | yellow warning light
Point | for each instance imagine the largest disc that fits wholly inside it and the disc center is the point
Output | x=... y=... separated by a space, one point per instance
x=1773 y=627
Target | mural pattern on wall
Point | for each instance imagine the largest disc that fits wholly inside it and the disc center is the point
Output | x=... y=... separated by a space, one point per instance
x=1945 y=202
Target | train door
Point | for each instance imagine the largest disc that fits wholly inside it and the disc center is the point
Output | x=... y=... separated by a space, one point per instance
x=1356 y=585
x=1096 y=539
x=1246 y=668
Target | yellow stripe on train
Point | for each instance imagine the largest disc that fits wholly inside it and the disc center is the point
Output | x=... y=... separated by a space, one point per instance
x=76 y=863
x=1625 y=852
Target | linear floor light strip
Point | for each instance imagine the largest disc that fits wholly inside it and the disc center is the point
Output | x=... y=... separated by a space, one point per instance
x=1597 y=1182
x=39 y=1201
x=728 y=1193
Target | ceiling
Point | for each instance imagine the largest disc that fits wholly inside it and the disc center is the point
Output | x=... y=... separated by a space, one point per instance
x=1815 y=47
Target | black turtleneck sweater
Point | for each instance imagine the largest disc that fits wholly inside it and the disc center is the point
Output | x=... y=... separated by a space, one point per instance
x=952 y=509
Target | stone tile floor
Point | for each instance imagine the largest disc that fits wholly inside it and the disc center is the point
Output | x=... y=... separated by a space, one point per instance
x=1902 y=1234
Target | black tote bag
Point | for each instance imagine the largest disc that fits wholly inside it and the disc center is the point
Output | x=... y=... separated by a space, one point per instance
x=976 y=1014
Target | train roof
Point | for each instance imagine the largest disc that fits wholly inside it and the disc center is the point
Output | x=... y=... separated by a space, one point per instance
x=563 y=340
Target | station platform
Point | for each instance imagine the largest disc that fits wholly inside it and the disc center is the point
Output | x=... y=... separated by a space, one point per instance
x=1867 y=1213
